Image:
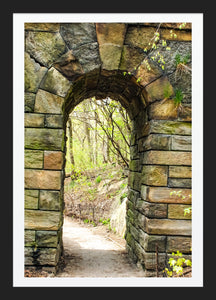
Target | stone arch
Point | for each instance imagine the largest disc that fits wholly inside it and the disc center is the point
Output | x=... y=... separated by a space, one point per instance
x=69 y=62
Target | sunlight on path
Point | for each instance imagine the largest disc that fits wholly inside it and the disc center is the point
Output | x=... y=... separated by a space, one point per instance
x=89 y=254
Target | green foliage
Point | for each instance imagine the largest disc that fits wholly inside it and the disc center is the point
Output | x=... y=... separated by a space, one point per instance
x=124 y=195
x=176 y=265
x=178 y=97
x=98 y=179
x=105 y=221
x=182 y=59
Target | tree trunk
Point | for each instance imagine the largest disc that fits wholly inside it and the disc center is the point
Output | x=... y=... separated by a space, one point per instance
x=70 y=134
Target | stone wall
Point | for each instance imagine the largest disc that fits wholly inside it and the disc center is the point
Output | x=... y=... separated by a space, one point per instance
x=67 y=63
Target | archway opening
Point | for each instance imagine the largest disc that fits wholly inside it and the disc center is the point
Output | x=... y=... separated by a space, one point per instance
x=102 y=152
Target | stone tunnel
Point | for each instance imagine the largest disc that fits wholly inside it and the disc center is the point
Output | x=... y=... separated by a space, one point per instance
x=66 y=63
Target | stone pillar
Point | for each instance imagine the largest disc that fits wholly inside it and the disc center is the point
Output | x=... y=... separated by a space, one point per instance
x=159 y=184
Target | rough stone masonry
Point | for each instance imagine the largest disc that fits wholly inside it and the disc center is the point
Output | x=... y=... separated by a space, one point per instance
x=68 y=62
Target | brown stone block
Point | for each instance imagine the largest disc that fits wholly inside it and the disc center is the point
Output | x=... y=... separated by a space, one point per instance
x=154 y=175
x=163 y=110
x=53 y=160
x=42 y=220
x=180 y=172
x=145 y=75
x=139 y=36
x=181 y=35
x=157 y=89
x=42 y=179
x=110 y=33
x=162 y=195
x=167 y=158
x=51 y=27
x=176 y=243
x=130 y=58
x=176 y=211
x=168 y=227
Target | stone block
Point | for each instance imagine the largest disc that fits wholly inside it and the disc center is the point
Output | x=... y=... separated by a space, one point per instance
x=149 y=258
x=110 y=56
x=185 y=114
x=44 y=47
x=33 y=159
x=152 y=210
x=167 y=158
x=177 y=243
x=183 y=143
x=170 y=127
x=154 y=142
x=77 y=34
x=180 y=172
x=88 y=56
x=44 y=139
x=139 y=36
x=42 y=179
x=54 y=121
x=46 y=238
x=34 y=120
x=53 y=160
x=154 y=175
x=31 y=199
x=134 y=180
x=134 y=232
x=145 y=75
x=130 y=58
x=33 y=74
x=29 y=237
x=51 y=27
x=29 y=102
x=49 y=200
x=55 y=83
x=134 y=165
x=162 y=195
x=180 y=182
x=42 y=220
x=41 y=256
x=113 y=33
x=168 y=227
x=149 y=242
x=176 y=211
x=181 y=35
x=163 y=110
x=68 y=65
x=47 y=102
x=157 y=89
x=134 y=152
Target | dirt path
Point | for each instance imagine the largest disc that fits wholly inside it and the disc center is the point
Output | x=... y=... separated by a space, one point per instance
x=93 y=252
